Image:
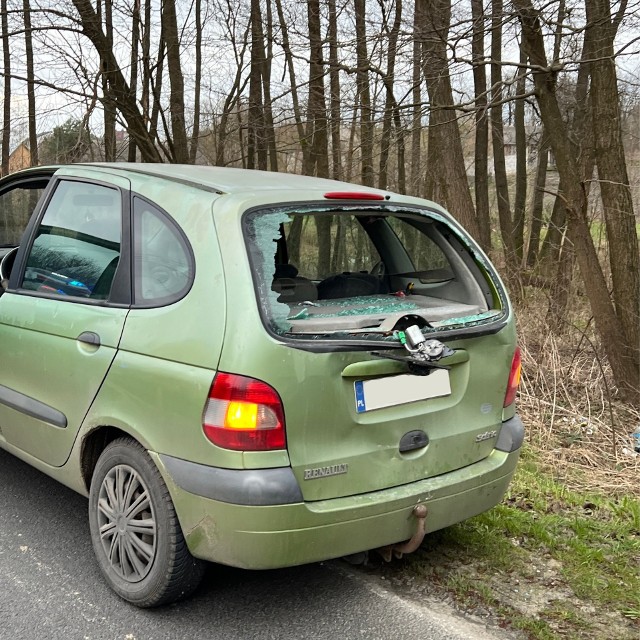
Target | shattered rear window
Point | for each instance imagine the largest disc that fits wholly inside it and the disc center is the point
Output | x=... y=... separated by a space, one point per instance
x=366 y=273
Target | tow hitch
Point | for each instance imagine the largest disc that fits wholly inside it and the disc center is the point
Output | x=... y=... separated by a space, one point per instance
x=399 y=549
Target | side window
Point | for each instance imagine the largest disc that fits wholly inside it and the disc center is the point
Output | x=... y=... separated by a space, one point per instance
x=320 y=246
x=16 y=206
x=424 y=253
x=77 y=245
x=163 y=268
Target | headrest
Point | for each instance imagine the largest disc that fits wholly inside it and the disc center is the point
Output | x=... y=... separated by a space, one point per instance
x=285 y=271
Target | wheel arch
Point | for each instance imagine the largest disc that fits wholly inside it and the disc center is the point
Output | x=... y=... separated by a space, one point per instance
x=94 y=443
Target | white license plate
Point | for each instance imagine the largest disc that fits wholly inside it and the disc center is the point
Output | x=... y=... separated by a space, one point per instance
x=393 y=390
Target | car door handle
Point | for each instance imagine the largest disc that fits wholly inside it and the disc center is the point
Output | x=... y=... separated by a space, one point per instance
x=89 y=337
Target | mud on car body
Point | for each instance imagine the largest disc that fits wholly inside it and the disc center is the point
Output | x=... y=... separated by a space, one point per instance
x=255 y=369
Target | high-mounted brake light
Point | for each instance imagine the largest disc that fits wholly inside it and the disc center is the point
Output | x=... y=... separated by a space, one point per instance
x=514 y=378
x=243 y=414
x=353 y=195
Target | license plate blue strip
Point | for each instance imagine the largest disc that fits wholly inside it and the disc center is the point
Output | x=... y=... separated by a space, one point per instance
x=361 y=407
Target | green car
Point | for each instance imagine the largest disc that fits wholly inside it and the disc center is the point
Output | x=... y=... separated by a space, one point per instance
x=256 y=369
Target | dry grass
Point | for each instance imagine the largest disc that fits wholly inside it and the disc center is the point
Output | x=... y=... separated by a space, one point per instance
x=576 y=424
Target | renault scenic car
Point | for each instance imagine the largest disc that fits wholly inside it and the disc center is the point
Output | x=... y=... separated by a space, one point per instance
x=250 y=368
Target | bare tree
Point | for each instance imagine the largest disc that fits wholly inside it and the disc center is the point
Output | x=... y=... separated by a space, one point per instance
x=178 y=139
x=481 y=149
x=256 y=140
x=613 y=178
x=364 y=95
x=334 y=98
x=318 y=157
x=120 y=90
x=133 y=76
x=497 y=139
x=443 y=125
x=195 y=132
x=31 y=97
x=389 y=104
x=416 y=109
x=537 y=200
x=520 y=200
x=316 y=134
x=266 y=83
x=109 y=105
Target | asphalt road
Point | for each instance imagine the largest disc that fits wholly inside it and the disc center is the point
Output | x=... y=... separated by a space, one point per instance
x=50 y=588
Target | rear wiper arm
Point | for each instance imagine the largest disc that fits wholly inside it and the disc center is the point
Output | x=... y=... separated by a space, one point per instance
x=415 y=365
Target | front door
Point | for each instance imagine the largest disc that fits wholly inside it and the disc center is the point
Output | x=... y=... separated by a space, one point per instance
x=60 y=320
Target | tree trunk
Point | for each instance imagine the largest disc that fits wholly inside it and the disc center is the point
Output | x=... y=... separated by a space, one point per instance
x=232 y=99
x=288 y=55
x=107 y=89
x=560 y=288
x=195 y=132
x=624 y=258
x=145 y=99
x=385 y=142
x=364 y=94
x=270 y=134
x=133 y=76
x=178 y=142
x=416 y=109
x=497 y=139
x=520 y=201
x=256 y=140
x=31 y=97
x=481 y=150
x=318 y=159
x=334 y=86
x=451 y=171
x=537 y=205
x=434 y=181
x=550 y=251
x=400 y=147
x=537 y=202
x=352 y=139
x=6 y=111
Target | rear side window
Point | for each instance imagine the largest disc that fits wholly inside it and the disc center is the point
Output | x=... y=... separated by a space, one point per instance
x=426 y=256
x=16 y=207
x=163 y=265
x=323 y=245
x=77 y=245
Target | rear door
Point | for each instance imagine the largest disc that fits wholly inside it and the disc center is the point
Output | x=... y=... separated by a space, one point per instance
x=63 y=314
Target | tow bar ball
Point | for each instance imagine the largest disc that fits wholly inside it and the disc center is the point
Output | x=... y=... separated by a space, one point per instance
x=400 y=549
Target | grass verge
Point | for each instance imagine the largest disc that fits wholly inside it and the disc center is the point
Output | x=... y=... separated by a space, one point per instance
x=549 y=561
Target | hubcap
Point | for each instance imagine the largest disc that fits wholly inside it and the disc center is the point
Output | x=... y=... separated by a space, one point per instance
x=127 y=524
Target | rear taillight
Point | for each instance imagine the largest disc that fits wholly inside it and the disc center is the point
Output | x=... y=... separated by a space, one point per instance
x=243 y=414
x=514 y=378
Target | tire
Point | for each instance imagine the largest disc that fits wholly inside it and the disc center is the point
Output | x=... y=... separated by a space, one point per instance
x=143 y=554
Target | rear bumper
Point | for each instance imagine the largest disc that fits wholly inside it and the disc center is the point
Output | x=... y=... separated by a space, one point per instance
x=282 y=535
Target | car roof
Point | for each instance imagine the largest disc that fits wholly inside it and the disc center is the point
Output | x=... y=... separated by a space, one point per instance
x=231 y=180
